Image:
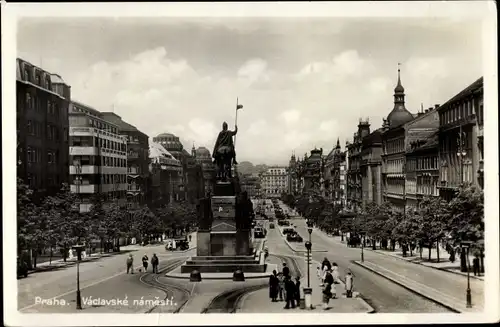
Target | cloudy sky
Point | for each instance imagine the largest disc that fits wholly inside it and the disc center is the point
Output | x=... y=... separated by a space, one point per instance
x=304 y=82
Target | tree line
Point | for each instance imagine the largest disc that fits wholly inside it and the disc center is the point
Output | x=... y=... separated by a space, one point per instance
x=56 y=223
x=434 y=222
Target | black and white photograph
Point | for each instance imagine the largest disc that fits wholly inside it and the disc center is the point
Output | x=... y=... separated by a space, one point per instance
x=250 y=163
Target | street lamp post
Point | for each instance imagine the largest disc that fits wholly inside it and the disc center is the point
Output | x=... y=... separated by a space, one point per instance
x=362 y=247
x=468 y=296
x=79 y=249
x=308 y=289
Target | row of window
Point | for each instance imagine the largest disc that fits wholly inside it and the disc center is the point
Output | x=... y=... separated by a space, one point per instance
x=395 y=186
x=37 y=76
x=427 y=185
x=458 y=112
x=35 y=155
x=89 y=141
x=394 y=166
x=394 y=146
x=32 y=102
x=451 y=174
x=422 y=163
x=34 y=181
x=93 y=179
x=51 y=133
x=95 y=121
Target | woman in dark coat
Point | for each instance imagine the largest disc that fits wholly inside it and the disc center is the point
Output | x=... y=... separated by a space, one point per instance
x=273 y=286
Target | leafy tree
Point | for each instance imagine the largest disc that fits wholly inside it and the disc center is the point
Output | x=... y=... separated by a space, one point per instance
x=466 y=219
x=433 y=213
x=406 y=229
x=69 y=225
x=144 y=223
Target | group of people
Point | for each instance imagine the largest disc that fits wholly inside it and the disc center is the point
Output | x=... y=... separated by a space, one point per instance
x=282 y=287
x=329 y=276
x=145 y=262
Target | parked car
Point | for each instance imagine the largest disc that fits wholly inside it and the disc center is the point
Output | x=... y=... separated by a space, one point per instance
x=259 y=232
x=288 y=230
x=22 y=268
x=271 y=226
x=294 y=237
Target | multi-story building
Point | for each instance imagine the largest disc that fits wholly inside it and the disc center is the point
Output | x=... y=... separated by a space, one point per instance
x=312 y=171
x=137 y=159
x=422 y=171
x=98 y=156
x=166 y=175
x=354 y=198
x=274 y=182
x=42 y=128
x=251 y=184
x=293 y=183
x=192 y=186
x=461 y=121
x=334 y=173
x=204 y=159
x=371 y=167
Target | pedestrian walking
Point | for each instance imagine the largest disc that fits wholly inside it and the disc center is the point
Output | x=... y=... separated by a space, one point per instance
x=130 y=263
x=154 y=263
x=475 y=265
x=323 y=275
x=273 y=286
x=327 y=295
x=297 y=290
x=286 y=270
x=145 y=261
x=326 y=263
x=349 y=283
x=329 y=277
x=281 y=286
x=289 y=293
x=318 y=272
x=335 y=273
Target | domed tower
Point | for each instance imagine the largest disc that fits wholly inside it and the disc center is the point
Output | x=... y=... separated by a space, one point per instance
x=399 y=114
x=172 y=144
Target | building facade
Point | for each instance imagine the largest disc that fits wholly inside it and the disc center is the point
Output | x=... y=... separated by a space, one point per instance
x=312 y=172
x=137 y=159
x=42 y=128
x=274 y=182
x=166 y=175
x=422 y=171
x=293 y=182
x=97 y=156
x=204 y=159
x=251 y=184
x=461 y=121
x=371 y=168
x=335 y=178
x=354 y=198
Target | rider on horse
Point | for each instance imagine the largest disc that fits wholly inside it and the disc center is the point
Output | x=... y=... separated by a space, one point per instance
x=224 y=148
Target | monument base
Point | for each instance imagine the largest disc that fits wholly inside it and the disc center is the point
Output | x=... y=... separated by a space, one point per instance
x=223 y=264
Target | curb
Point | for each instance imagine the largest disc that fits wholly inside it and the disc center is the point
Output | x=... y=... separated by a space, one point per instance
x=369 y=308
x=418 y=263
x=217 y=278
x=406 y=287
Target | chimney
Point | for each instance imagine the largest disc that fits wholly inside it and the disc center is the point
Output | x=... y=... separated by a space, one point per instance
x=436 y=106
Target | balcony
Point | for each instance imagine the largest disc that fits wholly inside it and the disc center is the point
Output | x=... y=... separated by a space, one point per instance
x=83 y=169
x=83 y=188
x=82 y=151
x=132 y=155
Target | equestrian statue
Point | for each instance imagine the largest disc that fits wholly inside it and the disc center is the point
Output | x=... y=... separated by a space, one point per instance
x=224 y=154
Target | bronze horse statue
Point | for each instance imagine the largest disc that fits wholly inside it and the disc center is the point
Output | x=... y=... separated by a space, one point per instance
x=224 y=154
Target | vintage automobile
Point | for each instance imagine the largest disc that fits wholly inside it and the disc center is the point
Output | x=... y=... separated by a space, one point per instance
x=259 y=232
x=271 y=226
x=294 y=237
x=181 y=244
x=288 y=230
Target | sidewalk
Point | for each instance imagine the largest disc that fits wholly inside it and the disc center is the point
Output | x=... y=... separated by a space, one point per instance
x=444 y=263
x=60 y=264
x=259 y=301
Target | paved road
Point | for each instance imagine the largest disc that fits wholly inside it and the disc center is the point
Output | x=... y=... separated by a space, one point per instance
x=384 y=296
x=104 y=274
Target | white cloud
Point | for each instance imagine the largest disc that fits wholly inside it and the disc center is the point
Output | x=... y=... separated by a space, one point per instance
x=316 y=90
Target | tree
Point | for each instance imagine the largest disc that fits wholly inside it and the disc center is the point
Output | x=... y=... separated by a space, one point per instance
x=405 y=231
x=144 y=223
x=68 y=225
x=466 y=219
x=433 y=213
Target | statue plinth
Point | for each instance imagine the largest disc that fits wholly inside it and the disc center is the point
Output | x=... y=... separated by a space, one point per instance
x=224 y=236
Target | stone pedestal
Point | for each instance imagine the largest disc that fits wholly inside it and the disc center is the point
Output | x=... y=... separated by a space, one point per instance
x=243 y=246
x=203 y=243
